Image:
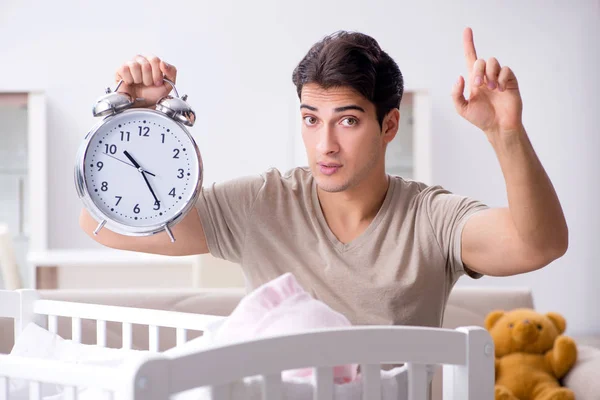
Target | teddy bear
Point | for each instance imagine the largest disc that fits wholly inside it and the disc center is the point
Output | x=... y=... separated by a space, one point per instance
x=532 y=355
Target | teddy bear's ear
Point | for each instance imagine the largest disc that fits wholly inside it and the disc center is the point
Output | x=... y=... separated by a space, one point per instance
x=492 y=318
x=558 y=321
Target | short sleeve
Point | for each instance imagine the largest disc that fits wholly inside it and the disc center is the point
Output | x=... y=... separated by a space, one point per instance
x=448 y=213
x=224 y=210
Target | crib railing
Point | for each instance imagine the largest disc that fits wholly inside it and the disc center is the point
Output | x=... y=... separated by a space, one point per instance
x=466 y=353
x=26 y=306
x=36 y=309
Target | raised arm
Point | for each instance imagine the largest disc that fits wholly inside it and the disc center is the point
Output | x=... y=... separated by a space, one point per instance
x=531 y=232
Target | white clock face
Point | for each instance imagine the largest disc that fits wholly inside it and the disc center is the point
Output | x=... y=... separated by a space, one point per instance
x=141 y=169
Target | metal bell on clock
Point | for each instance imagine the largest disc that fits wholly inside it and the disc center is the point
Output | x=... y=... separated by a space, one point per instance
x=112 y=102
x=176 y=107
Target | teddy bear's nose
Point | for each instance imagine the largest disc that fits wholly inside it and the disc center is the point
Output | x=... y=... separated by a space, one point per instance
x=525 y=332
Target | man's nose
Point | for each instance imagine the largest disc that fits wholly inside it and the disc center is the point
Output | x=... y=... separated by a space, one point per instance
x=327 y=142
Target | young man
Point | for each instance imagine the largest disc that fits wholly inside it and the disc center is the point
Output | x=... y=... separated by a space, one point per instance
x=377 y=248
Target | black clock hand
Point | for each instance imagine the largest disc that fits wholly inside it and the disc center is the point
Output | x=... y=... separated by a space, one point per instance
x=143 y=175
x=135 y=164
x=125 y=162
x=151 y=191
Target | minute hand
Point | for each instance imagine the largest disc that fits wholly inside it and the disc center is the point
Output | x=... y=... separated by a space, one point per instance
x=143 y=174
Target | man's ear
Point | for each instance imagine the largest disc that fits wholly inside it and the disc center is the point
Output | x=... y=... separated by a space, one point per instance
x=390 y=124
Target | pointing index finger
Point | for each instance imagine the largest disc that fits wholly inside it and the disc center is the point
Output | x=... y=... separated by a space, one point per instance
x=469 y=48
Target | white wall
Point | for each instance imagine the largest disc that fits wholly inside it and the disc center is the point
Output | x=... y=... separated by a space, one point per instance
x=236 y=59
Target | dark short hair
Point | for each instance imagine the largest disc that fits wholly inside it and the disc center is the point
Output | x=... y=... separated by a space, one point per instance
x=354 y=60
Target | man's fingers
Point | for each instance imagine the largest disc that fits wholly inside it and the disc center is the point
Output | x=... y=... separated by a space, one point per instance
x=460 y=103
x=492 y=69
x=154 y=61
x=469 y=48
x=169 y=71
x=146 y=70
x=125 y=74
x=477 y=73
x=507 y=78
x=136 y=71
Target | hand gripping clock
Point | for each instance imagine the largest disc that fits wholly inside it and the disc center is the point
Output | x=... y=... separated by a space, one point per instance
x=139 y=171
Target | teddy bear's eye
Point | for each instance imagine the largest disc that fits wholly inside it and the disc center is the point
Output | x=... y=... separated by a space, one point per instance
x=539 y=327
x=510 y=325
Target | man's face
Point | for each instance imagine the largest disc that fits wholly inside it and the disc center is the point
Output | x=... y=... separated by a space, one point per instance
x=344 y=142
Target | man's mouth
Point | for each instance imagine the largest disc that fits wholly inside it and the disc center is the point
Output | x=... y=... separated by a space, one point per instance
x=329 y=168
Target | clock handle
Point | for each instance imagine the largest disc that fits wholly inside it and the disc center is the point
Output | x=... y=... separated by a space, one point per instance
x=164 y=79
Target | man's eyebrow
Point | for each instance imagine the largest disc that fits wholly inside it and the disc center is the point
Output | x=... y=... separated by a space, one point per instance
x=337 y=110
x=350 y=107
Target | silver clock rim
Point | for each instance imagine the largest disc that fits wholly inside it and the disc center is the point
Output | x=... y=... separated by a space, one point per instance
x=100 y=216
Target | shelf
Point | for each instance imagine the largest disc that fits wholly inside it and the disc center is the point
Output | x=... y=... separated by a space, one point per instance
x=95 y=258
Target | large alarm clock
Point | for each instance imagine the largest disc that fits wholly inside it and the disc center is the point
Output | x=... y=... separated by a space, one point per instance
x=139 y=171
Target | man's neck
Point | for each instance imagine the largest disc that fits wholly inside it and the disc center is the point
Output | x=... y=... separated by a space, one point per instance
x=350 y=212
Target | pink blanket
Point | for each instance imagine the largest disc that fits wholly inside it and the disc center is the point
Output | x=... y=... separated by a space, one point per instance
x=282 y=306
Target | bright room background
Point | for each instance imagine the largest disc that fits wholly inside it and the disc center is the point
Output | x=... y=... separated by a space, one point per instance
x=235 y=60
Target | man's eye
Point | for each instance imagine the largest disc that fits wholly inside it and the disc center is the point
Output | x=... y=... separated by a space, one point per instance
x=349 y=121
x=310 y=120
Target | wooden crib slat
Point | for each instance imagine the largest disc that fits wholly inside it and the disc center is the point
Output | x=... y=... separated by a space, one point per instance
x=3 y=388
x=76 y=329
x=181 y=336
x=272 y=388
x=70 y=393
x=324 y=383
x=35 y=392
x=417 y=381
x=127 y=335
x=53 y=323
x=153 y=338
x=371 y=376
x=101 y=333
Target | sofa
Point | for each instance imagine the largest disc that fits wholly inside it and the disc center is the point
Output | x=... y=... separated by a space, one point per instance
x=466 y=306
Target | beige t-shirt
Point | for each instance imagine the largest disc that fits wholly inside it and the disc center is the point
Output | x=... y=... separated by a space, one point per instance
x=399 y=271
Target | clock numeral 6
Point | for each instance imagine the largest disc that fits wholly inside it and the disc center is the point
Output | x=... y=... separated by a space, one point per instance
x=136 y=209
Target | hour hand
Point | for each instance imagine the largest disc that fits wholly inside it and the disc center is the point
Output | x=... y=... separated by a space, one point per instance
x=135 y=164
x=126 y=163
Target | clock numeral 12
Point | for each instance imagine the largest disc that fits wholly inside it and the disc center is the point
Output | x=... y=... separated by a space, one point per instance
x=145 y=130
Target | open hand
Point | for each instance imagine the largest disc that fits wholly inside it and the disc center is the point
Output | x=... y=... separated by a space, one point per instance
x=494 y=103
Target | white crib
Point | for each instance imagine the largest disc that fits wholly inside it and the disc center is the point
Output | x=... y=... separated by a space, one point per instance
x=467 y=356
